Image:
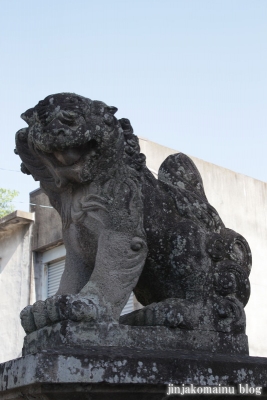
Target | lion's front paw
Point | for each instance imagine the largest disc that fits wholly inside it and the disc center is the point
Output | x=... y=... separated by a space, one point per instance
x=73 y=307
x=173 y=313
x=27 y=320
x=58 y=308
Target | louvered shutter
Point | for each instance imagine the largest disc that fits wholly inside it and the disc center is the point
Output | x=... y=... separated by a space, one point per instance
x=129 y=306
x=54 y=273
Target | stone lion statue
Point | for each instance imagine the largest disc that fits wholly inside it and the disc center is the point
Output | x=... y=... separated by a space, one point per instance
x=124 y=230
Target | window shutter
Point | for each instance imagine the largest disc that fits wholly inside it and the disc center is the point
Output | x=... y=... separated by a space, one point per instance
x=55 y=271
x=129 y=306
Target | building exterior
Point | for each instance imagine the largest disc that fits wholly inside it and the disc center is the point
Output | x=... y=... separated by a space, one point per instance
x=33 y=253
x=15 y=279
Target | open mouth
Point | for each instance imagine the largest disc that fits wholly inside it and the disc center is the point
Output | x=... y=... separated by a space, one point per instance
x=74 y=154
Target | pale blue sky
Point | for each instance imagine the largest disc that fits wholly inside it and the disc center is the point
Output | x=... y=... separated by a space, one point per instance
x=189 y=74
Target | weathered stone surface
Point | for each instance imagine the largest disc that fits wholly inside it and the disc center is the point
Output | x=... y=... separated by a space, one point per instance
x=85 y=335
x=125 y=230
x=117 y=374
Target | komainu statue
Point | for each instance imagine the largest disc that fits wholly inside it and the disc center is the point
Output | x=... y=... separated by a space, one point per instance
x=124 y=230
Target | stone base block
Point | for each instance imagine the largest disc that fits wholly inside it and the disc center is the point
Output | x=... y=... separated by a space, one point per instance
x=80 y=334
x=108 y=373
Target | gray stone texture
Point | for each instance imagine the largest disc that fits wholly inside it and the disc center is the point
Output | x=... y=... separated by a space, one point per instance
x=125 y=230
x=83 y=335
x=117 y=374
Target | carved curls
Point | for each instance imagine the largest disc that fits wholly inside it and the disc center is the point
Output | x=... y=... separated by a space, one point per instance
x=132 y=148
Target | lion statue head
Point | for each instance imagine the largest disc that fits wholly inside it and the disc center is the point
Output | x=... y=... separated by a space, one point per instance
x=76 y=138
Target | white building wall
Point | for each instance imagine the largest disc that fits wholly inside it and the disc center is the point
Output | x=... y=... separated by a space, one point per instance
x=242 y=204
x=14 y=284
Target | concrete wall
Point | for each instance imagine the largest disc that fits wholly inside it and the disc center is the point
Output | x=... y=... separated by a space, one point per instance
x=242 y=204
x=47 y=228
x=15 y=280
x=46 y=235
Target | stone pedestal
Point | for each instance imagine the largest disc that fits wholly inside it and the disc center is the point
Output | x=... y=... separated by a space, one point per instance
x=109 y=373
x=85 y=336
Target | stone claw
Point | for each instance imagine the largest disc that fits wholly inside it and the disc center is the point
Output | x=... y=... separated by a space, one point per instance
x=73 y=307
x=27 y=320
x=173 y=313
x=53 y=309
x=39 y=311
x=82 y=309
x=58 y=308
